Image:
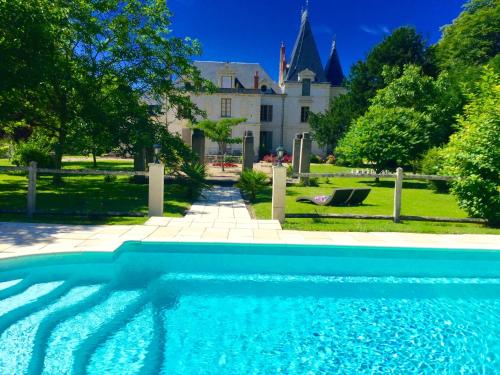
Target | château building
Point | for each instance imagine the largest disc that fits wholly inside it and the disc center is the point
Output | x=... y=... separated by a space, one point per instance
x=275 y=111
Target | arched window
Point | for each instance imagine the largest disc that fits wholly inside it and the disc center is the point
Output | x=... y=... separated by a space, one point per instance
x=263 y=88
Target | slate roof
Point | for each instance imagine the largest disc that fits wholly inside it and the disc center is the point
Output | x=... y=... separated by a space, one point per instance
x=305 y=54
x=244 y=72
x=333 y=69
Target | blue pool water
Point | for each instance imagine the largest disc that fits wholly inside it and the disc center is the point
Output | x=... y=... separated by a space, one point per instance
x=251 y=309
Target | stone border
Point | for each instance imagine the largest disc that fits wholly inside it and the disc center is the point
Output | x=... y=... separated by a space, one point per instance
x=34 y=239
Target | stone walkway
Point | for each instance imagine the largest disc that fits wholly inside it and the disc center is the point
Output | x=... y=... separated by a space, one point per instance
x=221 y=216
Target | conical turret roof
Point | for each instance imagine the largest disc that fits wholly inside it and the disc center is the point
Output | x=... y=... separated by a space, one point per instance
x=305 y=53
x=333 y=69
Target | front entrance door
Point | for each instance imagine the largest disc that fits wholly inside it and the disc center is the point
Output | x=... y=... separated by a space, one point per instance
x=266 y=143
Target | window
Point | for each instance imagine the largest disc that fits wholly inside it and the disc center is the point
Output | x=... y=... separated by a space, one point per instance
x=225 y=107
x=263 y=88
x=226 y=82
x=266 y=113
x=304 y=114
x=306 y=87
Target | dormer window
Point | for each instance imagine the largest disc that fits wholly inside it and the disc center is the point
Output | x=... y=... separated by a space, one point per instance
x=226 y=82
x=263 y=88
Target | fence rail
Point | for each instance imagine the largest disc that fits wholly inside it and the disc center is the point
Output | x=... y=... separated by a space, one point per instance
x=155 y=203
x=82 y=172
x=399 y=176
x=406 y=176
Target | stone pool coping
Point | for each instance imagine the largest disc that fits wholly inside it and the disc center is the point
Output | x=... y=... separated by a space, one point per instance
x=21 y=239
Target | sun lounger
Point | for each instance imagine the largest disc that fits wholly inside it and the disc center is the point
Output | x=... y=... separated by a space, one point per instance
x=357 y=197
x=338 y=198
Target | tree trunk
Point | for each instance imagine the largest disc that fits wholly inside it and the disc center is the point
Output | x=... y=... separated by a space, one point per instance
x=56 y=178
x=94 y=158
x=139 y=164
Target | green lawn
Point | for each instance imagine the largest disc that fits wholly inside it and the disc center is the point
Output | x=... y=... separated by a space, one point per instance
x=88 y=194
x=418 y=200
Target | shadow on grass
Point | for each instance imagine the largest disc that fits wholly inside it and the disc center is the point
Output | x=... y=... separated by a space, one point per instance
x=92 y=196
x=390 y=184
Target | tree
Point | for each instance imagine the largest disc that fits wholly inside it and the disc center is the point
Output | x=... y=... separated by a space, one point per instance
x=93 y=53
x=473 y=38
x=220 y=132
x=329 y=127
x=425 y=94
x=473 y=154
x=403 y=46
x=386 y=138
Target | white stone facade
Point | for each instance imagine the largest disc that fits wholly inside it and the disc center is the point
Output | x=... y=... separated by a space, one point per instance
x=286 y=103
x=274 y=111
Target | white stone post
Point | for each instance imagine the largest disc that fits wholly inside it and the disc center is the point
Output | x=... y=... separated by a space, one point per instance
x=305 y=156
x=279 y=193
x=31 y=206
x=398 y=189
x=156 y=189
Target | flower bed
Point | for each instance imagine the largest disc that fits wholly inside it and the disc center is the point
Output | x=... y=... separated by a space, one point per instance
x=226 y=165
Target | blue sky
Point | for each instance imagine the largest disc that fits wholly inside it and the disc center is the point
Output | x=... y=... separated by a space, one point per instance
x=251 y=31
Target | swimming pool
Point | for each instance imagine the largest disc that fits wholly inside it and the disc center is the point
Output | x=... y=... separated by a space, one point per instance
x=184 y=308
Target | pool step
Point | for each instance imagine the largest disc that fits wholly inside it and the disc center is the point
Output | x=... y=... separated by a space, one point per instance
x=8 y=284
x=17 y=288
x=29 y=295
x=329 y=286
x=69 y=334
x=155 y=353
x=48 y=325
x=41 y=302
x=15 y=355
x=85 y=350
x=126 y=351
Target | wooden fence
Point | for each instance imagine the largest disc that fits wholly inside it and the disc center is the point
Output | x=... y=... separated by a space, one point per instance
x=33 y=172
x=399 y=176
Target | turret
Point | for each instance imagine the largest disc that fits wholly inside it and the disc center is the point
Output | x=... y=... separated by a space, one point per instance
x=333 y=69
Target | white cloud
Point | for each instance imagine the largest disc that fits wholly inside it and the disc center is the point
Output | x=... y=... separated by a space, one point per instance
x=323 y=29
x=378 y=30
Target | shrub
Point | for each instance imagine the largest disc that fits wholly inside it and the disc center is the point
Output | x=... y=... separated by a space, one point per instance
x=26 y=152
x=196 y=174
x=330 y=159
x=109 y=178
x=432 y=164
x=316 y=159
x=473 y=154
x=386 y=138
x=252 y=182
x=4 y=149
x=311 y=181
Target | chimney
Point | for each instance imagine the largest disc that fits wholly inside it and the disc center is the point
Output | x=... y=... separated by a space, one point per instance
x=282 y=64
x=256 y=80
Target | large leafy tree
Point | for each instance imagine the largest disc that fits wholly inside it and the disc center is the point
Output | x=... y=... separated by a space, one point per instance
x=386 y=138
x=473 y=154
x=425 y=94
x=220 y=132
x=97 y=57
x=473 y=38
x=403 y=46
x=329 y=127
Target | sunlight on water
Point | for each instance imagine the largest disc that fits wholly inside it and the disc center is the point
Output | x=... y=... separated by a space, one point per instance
x=276 y=313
